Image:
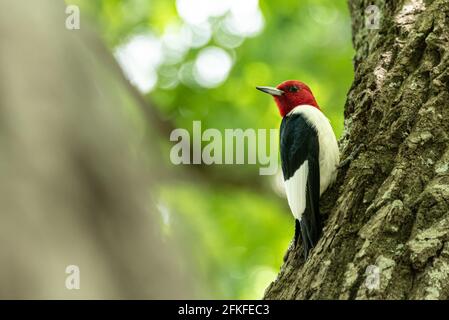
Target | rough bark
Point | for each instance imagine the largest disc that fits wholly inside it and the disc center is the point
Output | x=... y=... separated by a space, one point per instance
x=390 y=205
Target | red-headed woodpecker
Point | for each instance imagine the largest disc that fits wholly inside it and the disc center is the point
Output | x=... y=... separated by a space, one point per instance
x=309 y=156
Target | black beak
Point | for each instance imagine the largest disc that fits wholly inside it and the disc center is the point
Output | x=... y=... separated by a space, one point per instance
x=271 y=90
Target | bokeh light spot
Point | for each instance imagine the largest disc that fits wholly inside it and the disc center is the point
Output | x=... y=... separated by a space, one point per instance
x=212 y=67
x=139 y=58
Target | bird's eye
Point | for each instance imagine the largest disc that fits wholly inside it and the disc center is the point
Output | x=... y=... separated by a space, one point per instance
x=293 y=89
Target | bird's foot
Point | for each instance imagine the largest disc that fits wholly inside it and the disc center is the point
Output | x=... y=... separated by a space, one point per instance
x=351 y=157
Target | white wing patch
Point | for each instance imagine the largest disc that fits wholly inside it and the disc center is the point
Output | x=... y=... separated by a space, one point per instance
x=295 y=188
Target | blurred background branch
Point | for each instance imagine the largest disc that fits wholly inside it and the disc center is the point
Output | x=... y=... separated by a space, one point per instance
x=74 y=191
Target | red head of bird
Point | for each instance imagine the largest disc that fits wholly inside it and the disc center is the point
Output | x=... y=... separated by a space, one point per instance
x=290 y=94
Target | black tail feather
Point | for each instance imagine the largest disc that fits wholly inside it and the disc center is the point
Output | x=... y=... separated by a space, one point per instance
x=310 y=225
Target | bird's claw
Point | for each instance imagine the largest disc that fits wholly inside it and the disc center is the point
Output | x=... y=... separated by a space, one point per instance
x=350 y=157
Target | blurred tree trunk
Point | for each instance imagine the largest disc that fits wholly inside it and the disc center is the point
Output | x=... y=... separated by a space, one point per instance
x=388 y=213
x=73 y=188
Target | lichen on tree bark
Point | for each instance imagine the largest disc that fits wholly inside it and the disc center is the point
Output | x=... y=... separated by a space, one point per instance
x=390 y=205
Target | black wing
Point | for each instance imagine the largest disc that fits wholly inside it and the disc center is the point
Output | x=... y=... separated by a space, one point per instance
x=298 y=143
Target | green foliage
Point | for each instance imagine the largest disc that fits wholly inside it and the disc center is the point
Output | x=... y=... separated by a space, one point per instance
x=235 y=236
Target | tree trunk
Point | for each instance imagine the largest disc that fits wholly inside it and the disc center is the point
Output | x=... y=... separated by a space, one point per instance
x=387 y=232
